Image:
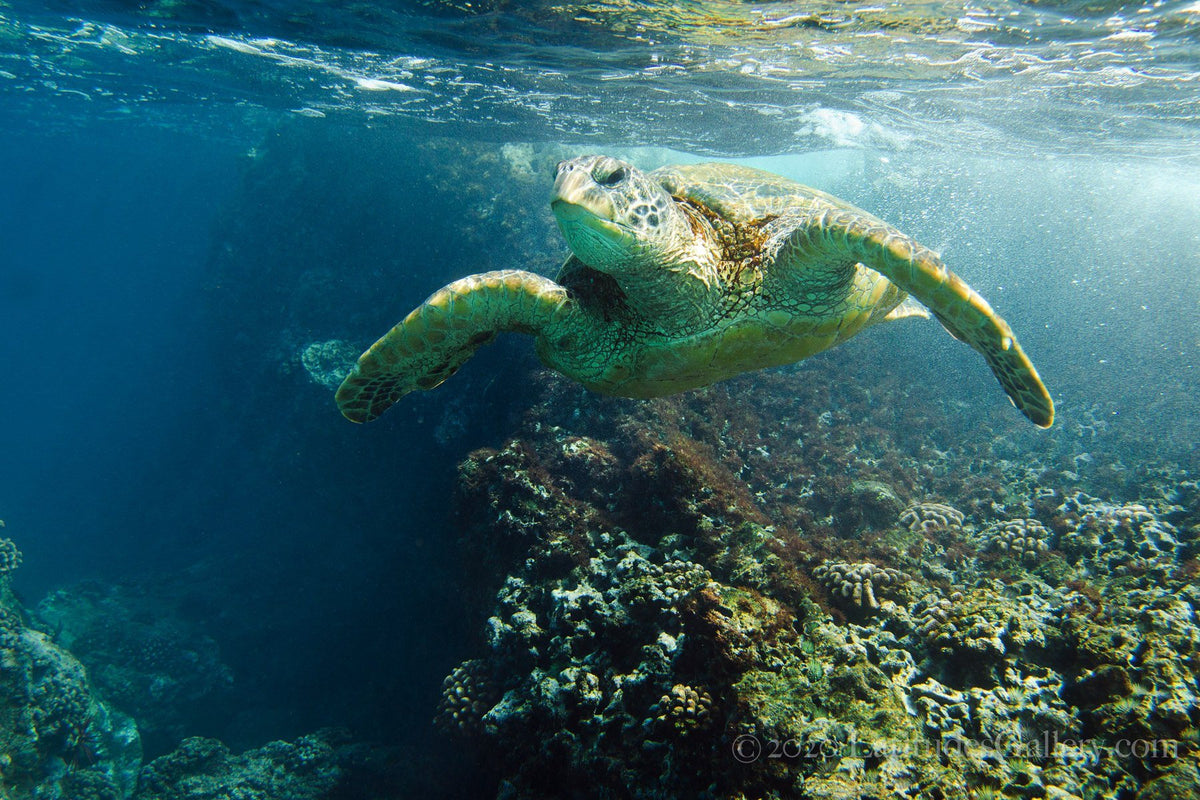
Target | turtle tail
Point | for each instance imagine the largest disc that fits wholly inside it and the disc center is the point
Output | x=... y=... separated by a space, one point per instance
x=961 y=310
x=433 y=341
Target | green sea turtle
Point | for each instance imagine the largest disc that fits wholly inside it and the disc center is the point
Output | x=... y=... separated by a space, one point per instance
x=685 y=276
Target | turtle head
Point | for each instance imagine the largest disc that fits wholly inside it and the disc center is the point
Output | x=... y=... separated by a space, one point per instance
x=616 y=218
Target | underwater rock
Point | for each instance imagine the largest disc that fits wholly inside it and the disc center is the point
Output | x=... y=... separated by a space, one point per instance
x=1182 y=779
x=645 y=556
x=328 y=362
x=872 y=502
x=204 y=769
x=1135 y=682
x=57 y=738
x=141 y=654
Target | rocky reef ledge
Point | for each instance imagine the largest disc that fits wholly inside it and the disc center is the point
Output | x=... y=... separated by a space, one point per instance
x=58 y=739
x=737 y=593
x=87 y=651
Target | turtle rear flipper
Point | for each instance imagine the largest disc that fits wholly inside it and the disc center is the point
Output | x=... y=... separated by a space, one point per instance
x=961 y=310
x=433 y=341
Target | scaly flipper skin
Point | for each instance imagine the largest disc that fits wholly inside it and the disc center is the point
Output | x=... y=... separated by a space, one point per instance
x=918 y=271
x=434 y=340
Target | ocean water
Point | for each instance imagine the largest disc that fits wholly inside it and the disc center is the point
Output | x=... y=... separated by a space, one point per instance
x=195 y=194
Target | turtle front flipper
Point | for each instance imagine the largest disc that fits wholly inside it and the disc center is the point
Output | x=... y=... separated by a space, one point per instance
x=432 y=342
x=964 y=313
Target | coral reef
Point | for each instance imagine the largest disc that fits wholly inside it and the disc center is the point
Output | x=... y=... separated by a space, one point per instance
x=1116 y=538
x=57 y=738
x=975 y=631
x=1023 y=538
x=861 y=583
x=60 y=741
x=10 y=556
x=322 y=765
x=598 y=645
x=710 y=596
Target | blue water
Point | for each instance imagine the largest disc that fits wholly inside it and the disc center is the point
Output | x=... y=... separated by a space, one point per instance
x=128 y=451
x=189 y=195
x=102 y=266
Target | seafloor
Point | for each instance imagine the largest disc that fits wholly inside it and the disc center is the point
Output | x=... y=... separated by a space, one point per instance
x=821 y=582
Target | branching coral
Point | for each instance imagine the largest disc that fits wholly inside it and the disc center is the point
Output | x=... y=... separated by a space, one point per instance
x=466 y=697
x=10 y=556
x=1023 y=538
x=684 y=709
x=863 y=583
x=931 y=517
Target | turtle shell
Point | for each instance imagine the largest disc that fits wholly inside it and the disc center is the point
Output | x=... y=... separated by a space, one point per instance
x=742 y=194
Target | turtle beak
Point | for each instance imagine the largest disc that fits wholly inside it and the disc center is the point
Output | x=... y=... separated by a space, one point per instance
x=576 y=196
x=585 y=216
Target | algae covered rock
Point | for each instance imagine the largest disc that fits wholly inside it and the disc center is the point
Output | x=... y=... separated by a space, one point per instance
x=872 y=502
x=57 y=739
x=327 y=362
x=323 y=765
x=143 y=655
x=204 y=769
x=693 y=598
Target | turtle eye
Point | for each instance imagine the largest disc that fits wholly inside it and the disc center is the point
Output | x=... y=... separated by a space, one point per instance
x=612 y=178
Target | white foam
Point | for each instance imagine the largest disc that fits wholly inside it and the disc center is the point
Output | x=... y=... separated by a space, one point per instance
x=377 y=85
